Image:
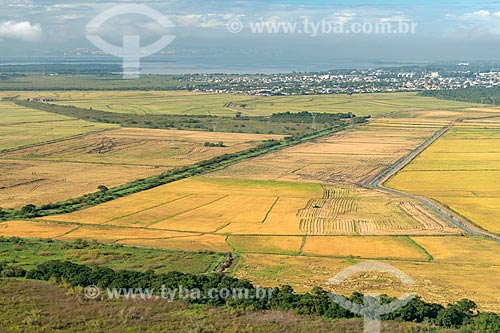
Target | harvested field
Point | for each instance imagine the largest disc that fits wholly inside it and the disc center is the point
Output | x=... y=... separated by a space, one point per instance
x=70 y=168
x=349 y=210
x=142 y=147
x=348 y=157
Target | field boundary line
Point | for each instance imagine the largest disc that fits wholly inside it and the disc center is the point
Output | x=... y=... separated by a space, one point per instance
x=270 y=209
x=186 y=211
x=149 y=208
x=11 y=150
x=302 y=245
x=419 y=247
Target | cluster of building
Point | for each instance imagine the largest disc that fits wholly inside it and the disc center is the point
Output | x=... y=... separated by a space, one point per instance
x=343 y=82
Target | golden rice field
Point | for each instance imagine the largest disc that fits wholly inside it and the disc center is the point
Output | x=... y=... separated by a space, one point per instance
x=461 y=170
x=34 y=230
x=202 y=205
x=207 y=205
x=193 y=103
x=401 y=248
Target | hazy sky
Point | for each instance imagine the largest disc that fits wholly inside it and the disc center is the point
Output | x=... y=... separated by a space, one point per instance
x=445 y=30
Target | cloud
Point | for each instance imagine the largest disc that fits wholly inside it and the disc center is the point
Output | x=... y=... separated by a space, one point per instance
x=205 y=20
x=20 y=30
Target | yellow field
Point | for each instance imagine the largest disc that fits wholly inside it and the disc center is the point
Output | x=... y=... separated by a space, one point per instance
x=34 y=229
x=361 y=247
x=198 y=204
x=461 y=170
x=474 y=250
x=213 y=243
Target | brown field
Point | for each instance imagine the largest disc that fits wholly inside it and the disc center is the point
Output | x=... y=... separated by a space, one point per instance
x=364 y=247
x=76 y=166
x=348 y=157
x=41 y=182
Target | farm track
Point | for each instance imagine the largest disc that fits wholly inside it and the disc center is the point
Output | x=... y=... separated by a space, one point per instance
x=444 y=213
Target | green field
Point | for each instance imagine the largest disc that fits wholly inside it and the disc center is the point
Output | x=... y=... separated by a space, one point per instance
x=27 y=253
x=155 y=102
x=20 y=127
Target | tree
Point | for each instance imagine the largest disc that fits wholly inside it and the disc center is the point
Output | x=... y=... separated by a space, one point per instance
x=28 y=209
x=102 y=188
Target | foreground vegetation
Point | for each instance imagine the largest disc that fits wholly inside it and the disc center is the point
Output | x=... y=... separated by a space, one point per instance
x=34 y=306
x=318 y=302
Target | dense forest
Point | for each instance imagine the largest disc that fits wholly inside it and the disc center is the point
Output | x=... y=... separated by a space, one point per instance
x=481 y=95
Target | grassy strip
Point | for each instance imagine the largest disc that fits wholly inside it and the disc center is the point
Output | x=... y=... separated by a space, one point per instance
x=419 y=247
x=217 y=163
x=21 y=253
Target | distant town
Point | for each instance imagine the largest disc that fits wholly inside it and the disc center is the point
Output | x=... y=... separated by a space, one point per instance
x=459 y=76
